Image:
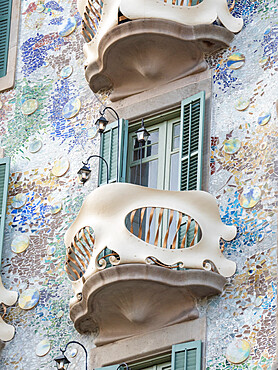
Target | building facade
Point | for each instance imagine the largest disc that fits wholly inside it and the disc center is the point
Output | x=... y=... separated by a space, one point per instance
x=47 y=122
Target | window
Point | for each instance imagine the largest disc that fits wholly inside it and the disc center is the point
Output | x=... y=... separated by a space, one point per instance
x=172 y=157
x=184 y=356
x=4 y=181
x=9 y=22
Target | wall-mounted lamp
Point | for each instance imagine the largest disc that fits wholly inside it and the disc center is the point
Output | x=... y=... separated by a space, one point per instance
x=102 y=122
x=142 y=138
x=142 y=134
x=62 y=362
x=84 y=173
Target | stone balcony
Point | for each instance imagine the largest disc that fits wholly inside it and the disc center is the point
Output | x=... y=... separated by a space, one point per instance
x=138 y=259
x=133 y=45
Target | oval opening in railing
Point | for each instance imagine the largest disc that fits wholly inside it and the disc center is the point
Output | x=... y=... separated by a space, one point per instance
x=79 y=253
x=164 y=228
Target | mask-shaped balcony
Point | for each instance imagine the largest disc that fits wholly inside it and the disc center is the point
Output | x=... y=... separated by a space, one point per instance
x=134 y=45
x=139 y=258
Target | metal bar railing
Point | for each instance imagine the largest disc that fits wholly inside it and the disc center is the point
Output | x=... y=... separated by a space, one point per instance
x=163 y=227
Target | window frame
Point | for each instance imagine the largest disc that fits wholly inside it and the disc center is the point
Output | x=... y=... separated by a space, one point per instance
x=5 y=162
x=162 y=362
x=8 y=81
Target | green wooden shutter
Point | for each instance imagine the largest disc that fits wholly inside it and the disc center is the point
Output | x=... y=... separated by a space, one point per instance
x=108 y=150
x=191 y=143
x=187 y=356
x=191 y=151
x=5 y=20
x=4 y=181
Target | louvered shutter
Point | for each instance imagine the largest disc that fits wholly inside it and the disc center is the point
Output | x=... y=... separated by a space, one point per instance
x=191 y=151
x=187 y=356
x=192 y=127
x=108 y=150
x=5 y=19
x=4 y=181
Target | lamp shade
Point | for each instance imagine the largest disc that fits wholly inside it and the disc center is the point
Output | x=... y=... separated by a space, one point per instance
x=102 y=123
x=84 y=174
x=142 y=134
x=62 y=362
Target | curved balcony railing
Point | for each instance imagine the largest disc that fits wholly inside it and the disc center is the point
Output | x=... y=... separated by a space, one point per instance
x=186 y=29
x=175 y=230
x=107 y=14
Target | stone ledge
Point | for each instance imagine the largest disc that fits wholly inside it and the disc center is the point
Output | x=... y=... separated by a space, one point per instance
x=137 y=56
x=145 y=346
x=129 y=300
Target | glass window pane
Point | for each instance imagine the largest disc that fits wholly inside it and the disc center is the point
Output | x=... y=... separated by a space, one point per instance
x=154 y=137
x=176 y=136
x=174 y=171
x=152 y=150
x=148 y=174
x=138 y=153
x=176 y=129
x=176 y=143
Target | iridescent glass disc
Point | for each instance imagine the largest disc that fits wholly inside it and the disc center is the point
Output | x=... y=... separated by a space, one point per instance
x=51 y=250
x=60 y=167
x=56 y=207
x=60 y=314
x=264 y=118
x=68 y=27
x=19 y=200
x=71 y=108
x=250 y=197
x=40 y=8
x=238 y=351
x=235 y=61
x=29 y=299
x=73 y=352
x=263 y=61
x=242 y=104
x=43 y=348
x=35 y=146
x=66 y=72
x=29 y=107
x=20 y=243
x=92 y=132
x=232 y=146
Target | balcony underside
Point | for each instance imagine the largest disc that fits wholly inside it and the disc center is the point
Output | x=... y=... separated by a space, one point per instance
x=142 y=54
x=133 y=299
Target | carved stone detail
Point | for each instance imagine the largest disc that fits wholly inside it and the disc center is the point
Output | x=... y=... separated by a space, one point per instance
x=142 y=54
x=129 y=300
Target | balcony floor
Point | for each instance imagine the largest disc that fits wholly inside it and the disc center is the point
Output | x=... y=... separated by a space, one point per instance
x=133 y=299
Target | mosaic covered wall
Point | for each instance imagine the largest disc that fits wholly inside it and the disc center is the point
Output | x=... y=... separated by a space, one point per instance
x=46 y=126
